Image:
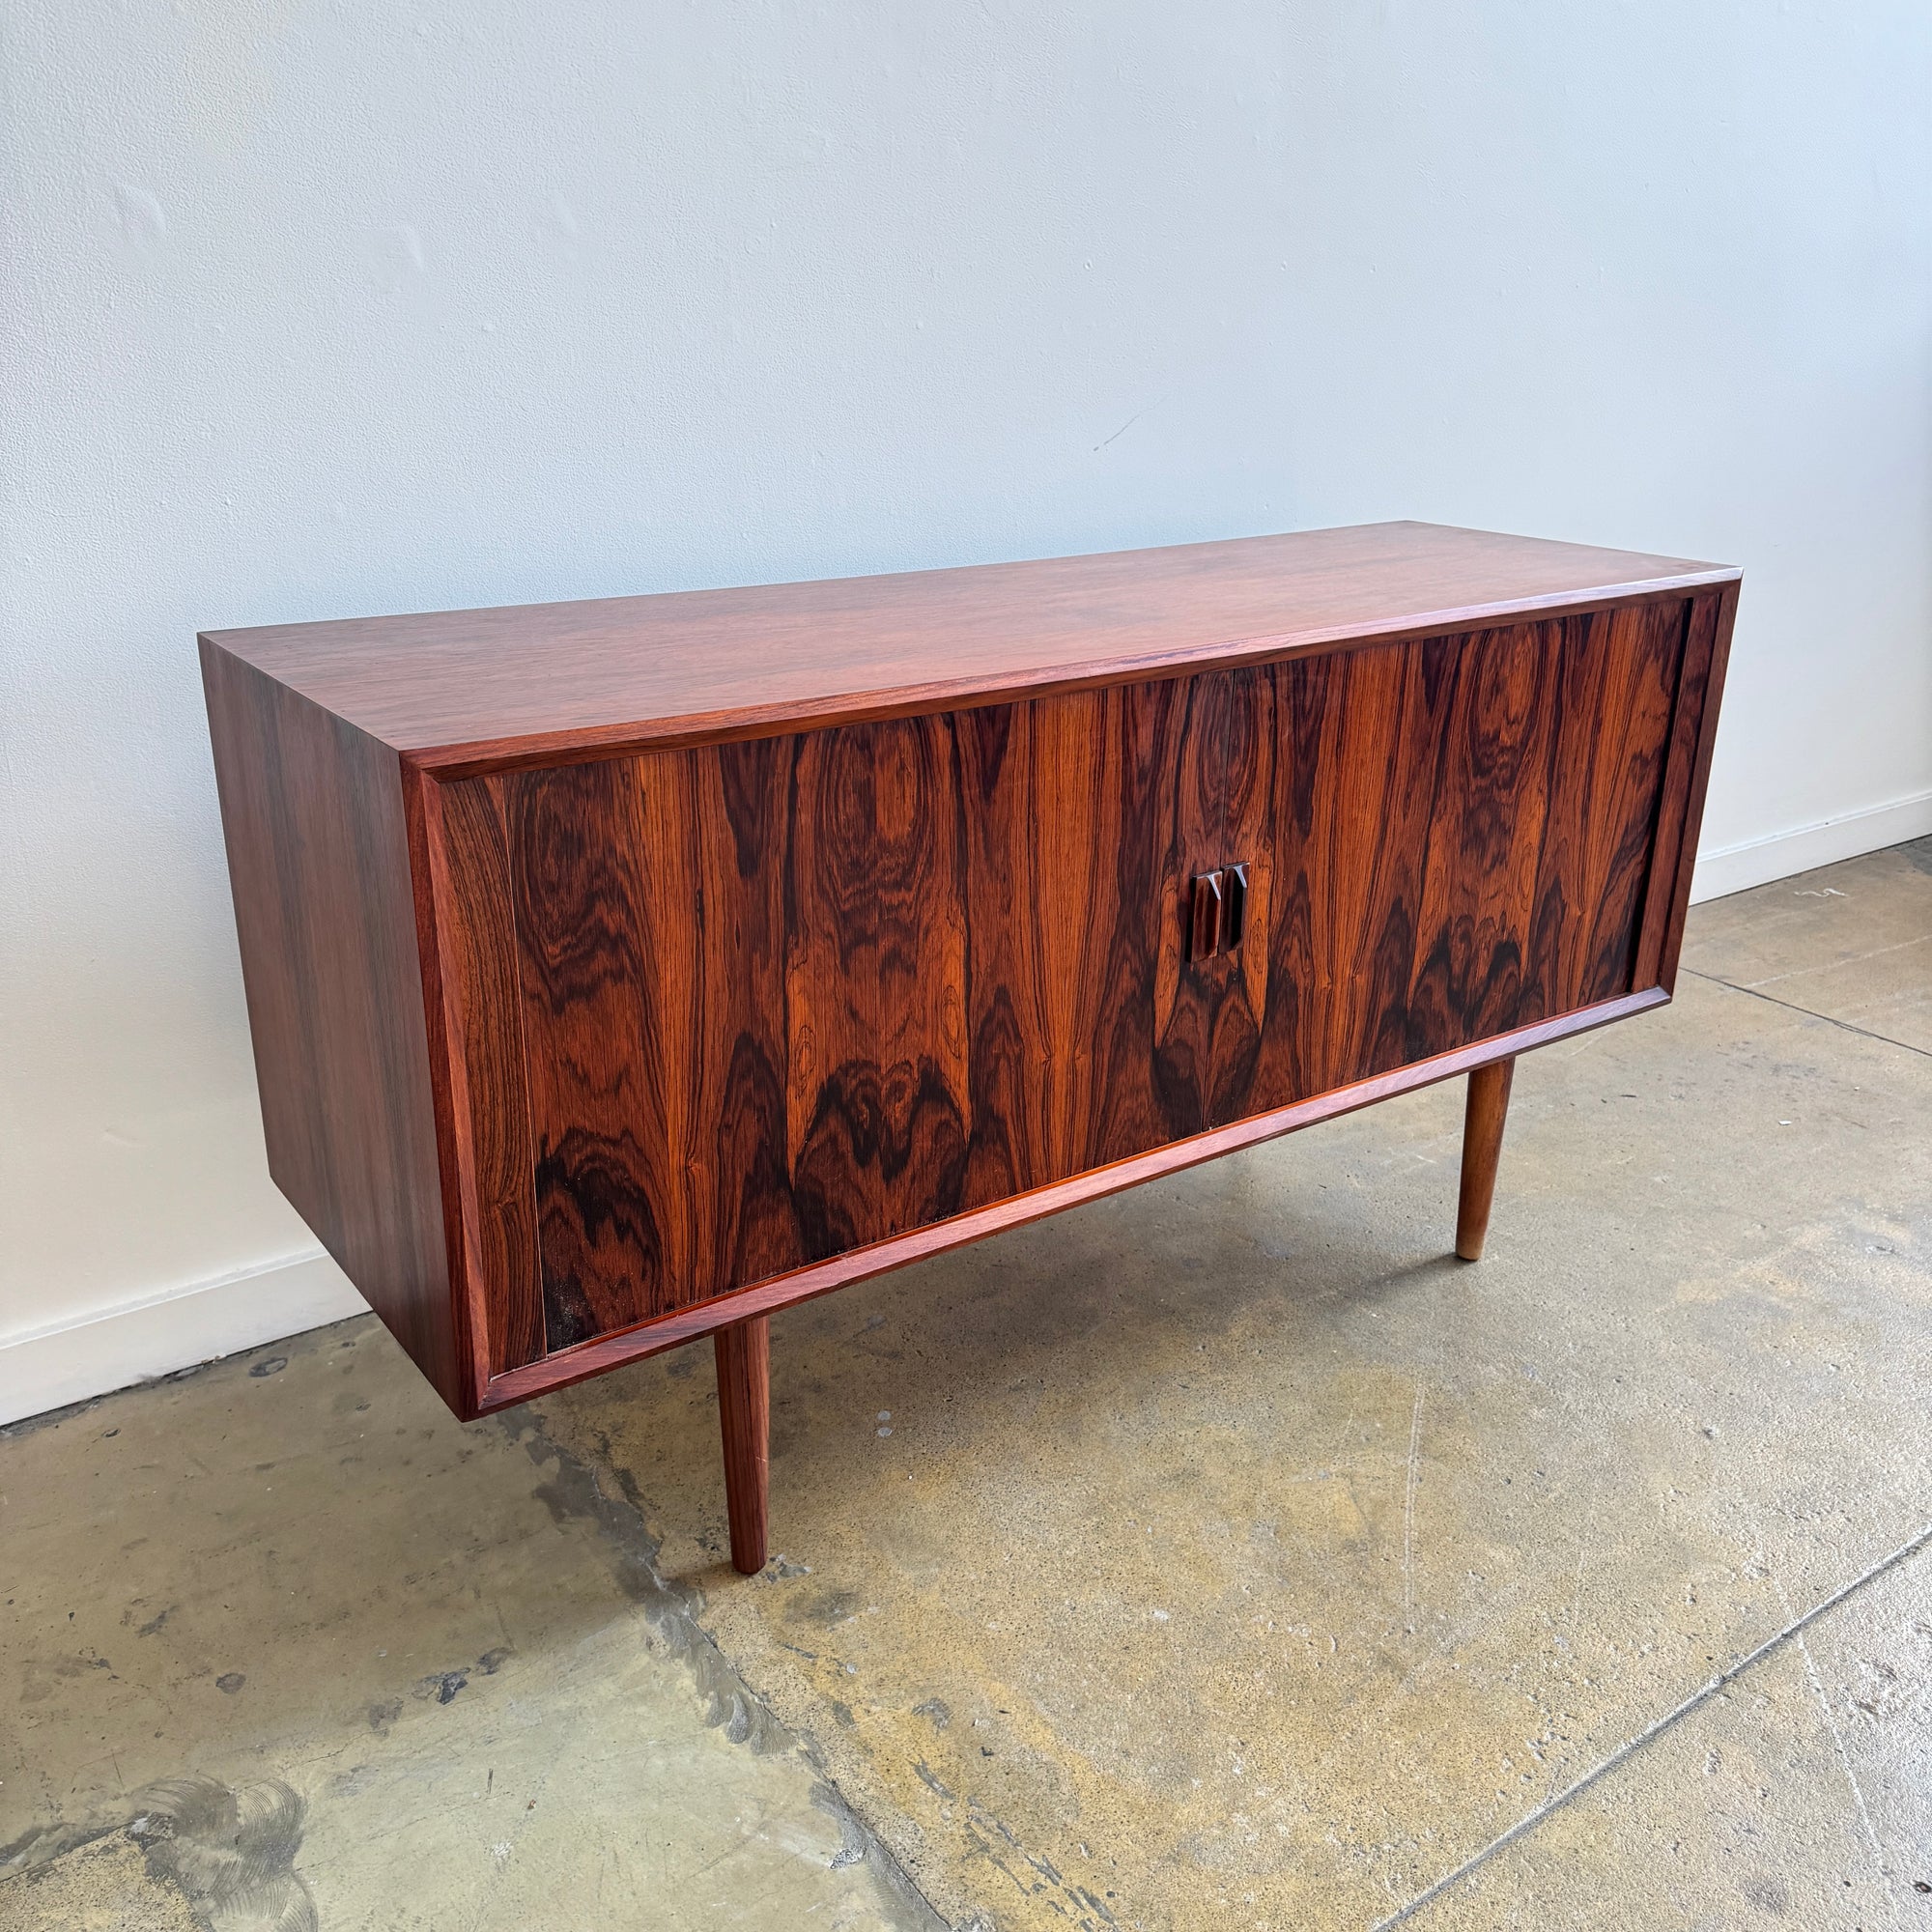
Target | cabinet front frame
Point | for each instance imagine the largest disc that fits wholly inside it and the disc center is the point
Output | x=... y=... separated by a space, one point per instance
x=466 y=1158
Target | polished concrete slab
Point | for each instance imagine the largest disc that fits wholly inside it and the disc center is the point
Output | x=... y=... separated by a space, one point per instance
x=1222 y=1553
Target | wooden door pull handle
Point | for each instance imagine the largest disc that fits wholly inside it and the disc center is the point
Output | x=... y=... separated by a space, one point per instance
x=1204 y=929
x=1233 y=905
x=1214 y=924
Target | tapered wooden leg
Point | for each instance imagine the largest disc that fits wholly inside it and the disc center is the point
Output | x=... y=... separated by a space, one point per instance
x=1482 y=1142
x=745 y=1414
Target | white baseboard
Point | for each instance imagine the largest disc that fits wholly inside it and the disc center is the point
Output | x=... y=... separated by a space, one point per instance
x=176 y=1329
x=1756 y=862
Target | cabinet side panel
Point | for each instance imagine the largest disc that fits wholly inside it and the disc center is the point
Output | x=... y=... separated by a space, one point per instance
x=319 y=861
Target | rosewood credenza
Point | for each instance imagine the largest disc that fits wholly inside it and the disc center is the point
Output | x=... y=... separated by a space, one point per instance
x=621 y=972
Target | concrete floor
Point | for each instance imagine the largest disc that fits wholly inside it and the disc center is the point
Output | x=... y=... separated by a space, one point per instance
x=1219 y=1554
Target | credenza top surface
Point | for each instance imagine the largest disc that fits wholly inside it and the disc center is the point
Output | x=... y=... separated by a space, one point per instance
x=530 y=681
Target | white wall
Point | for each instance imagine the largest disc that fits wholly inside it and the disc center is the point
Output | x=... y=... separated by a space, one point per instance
x=319 y=310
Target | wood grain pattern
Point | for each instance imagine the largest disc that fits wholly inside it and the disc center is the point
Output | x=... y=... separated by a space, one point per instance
x=790 y=998
x=461 y=691
x=1482 y=1118
x=752 y=1033
x=621 y=970
x=873 y=865
x=1693 y=739
x=1453 y=840
x=319 y=858
x=744 y=1354
x=489 y=1105
x=689 y=1324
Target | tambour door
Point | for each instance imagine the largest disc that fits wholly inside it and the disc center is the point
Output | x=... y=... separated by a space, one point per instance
x=733 y=1010
x=728 y=1010
x=1444 y=840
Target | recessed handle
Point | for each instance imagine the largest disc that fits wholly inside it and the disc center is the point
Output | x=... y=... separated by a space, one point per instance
x=1216 y=914
x=1233 y=905
x=1204 y=929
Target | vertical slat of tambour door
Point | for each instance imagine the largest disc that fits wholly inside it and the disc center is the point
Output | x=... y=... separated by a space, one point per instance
x=478 y=933
x=1121 y=1109
x=1211 y=1045
x=607 y=1229
x=1633 y=751
x=1486 y=834
x=1557 y=935
x=1348 y=825
x=1025 y=852
x=1192 y=824
x=1382 y=723
x=1615 y=695
x=660 y=817
x=1091 y=931
x=1250 y=841
x=1688 y=715
x=745 y=1226
x=1098 y=963
x=1711 y=692
x=1291 y=945
x=1237 y=986
x=1278 y=830
x=875 y=983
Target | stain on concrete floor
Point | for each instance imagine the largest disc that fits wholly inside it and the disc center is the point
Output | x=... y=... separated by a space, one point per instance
x=1223 y=1553
x=106 y=1885
x=308 y=1653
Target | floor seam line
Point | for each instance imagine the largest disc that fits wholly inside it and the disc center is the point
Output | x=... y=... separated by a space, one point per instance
x=1857 y=959
x=1790 y=1007
x=1652 y=1731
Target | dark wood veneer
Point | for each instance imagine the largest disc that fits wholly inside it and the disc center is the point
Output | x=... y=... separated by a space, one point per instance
x=619 y=973
x=775 y=999
x=807 y=1284
x=319 y=858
